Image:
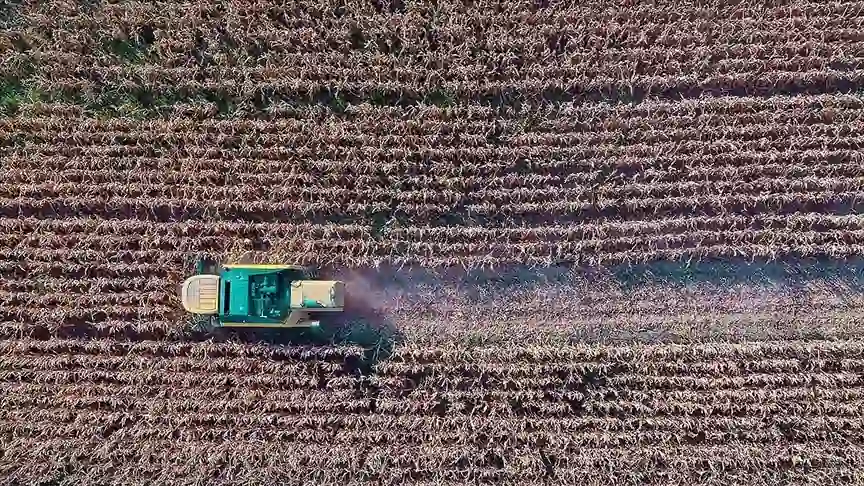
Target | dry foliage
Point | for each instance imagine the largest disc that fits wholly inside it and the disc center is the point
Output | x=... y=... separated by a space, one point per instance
x=136 y=136
x=228 y=412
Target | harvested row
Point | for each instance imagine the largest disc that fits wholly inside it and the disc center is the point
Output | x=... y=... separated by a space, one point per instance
x=666 y=318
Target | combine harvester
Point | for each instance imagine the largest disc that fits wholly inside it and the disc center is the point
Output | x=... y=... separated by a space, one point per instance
x=262 y=296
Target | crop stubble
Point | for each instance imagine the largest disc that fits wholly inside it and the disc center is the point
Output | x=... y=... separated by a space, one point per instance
x=355 y=136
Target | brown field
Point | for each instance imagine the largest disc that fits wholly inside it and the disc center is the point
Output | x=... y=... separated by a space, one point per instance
x=615 y=243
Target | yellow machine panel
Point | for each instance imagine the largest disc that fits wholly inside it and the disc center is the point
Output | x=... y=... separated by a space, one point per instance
x=200 y=294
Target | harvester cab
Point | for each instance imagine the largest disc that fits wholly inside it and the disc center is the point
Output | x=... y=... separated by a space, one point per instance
x=256 y=295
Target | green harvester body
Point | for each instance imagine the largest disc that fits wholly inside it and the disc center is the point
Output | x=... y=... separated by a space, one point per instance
x=260 y=295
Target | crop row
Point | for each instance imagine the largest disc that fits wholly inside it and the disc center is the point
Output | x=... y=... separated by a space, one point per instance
x=813 y=77
x=270 y=393
x=134 y=234
x=134 y=323
x=586 y=78
x=590 y=65
x=131 y=325
x=127 y=265
x=93 y=265
x=256 y=462
x=532 y=91
x=51 y=285
x=432 y=376
x=273 y=392
x=319 y=210
x=564 y=117
x=485 y=177
x=470 y=150
x=570 y=363
x=804 y=351
x=127 y=250
x=175 y=364
x=628 y=177
x=433 y=163
x=491 y=429
x=203 y=350
x=587 y=307
x=429 y=403
x=600 y=316
x=766 y=46
x=428 y=242
x=313 y=14
x=250 y=34
x=441 y=175
x=510 y=196
x=142 y=431
x=809 y=114
x=506 y=167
